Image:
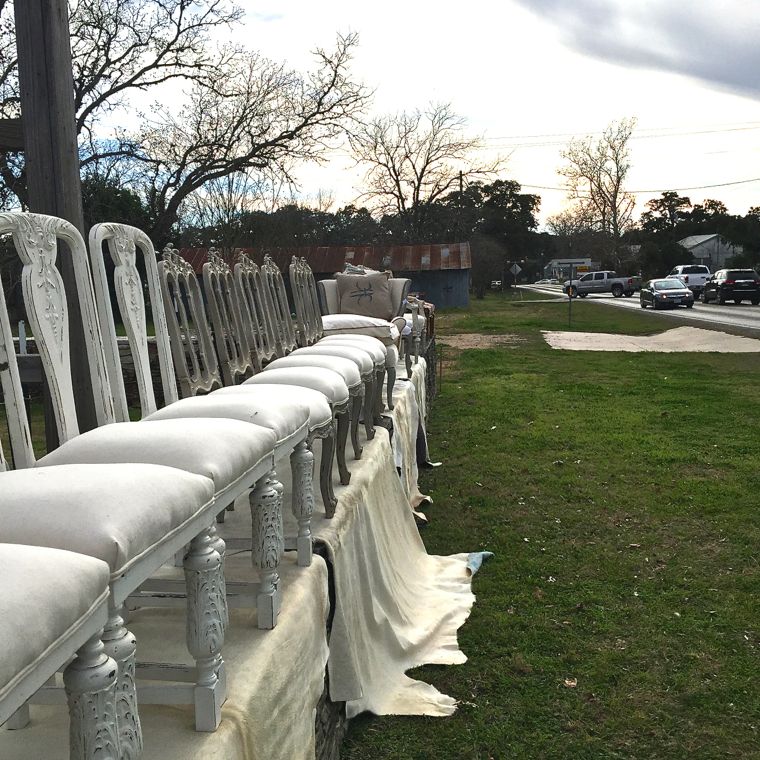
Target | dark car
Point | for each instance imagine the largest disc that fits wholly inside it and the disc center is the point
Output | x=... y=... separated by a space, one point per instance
x=735 y=285
x=665 y=293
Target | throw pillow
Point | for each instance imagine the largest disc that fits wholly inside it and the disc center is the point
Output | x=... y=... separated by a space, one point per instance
x=368 y=294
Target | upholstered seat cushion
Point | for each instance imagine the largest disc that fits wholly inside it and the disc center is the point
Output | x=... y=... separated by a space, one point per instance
x=284 y=419
x=368 y=343
x=48 y=596
x=327 y=382
x=344 y=367
x=373 y=346
x=115 y=512
x=223 y=450
x=356 y=324
x=276 y=395
x=361 y=358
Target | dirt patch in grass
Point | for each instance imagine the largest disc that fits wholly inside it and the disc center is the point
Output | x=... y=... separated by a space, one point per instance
x=476 y=340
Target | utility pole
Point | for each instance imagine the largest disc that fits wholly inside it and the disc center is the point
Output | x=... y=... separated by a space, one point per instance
x=51 y=155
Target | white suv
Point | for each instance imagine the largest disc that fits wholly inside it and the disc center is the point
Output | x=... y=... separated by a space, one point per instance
x=693 y=276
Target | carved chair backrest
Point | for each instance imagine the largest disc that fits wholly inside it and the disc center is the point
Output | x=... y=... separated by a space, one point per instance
x=308 y=316
x=224 y=307
x=36 y=238
x=124 y=244
x=257 y=317
x=195 y=361
x=277 y=299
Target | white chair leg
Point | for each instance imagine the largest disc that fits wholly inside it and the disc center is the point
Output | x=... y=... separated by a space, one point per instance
x=90 y=681
x=267 y=546
x=119 y=644
x=204 y=580
x=218 y=543
x=302 y=465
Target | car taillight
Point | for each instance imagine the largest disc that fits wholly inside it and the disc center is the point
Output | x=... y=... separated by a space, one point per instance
x=729 y=282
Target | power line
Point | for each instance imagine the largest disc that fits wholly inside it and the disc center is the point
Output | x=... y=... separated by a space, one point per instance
x=643 y=192
x=637 y=133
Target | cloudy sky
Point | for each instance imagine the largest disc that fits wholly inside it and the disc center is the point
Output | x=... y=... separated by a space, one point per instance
x=530 y=74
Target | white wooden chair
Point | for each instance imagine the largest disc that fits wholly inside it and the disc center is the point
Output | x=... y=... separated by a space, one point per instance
x=198 y=370
x=336 y=326
x=289 y=422
x=260 y=313
x=358 y=378
x=153 y=512
x=62 y=599
x=310 y=335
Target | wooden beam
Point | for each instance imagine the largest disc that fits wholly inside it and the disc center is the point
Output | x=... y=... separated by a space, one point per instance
x=52 y=158
x=11 y=135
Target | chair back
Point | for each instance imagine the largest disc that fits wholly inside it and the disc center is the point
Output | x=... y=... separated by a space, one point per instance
x=276 y=298
x=257 y=316
x=399 y=290
x=306 y=301
x=123 y=244
x=195 y=360
x=227 y=319
x=36 y=238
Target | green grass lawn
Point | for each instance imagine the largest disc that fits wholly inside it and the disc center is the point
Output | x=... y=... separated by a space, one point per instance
x=620 y=617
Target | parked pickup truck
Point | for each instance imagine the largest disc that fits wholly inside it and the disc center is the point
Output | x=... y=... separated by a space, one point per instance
x=693 y=276
x=602 y=282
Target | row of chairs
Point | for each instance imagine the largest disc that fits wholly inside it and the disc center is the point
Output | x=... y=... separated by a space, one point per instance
x=85 y=528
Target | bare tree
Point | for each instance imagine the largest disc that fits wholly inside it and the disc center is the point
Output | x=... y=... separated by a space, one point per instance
x=595 y=172
x=570 y=222
x=242 y=112
x=416 y=158
x=118 y=47
x=220 y=204
x=254 y=114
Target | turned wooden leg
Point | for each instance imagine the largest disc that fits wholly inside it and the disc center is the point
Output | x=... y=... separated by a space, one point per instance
x=218 y=543
x=119 y=644
x=267 y=546
x=369 y=400
x=356 y=411
x=90 y=682
x=302 y=465
x=204 y=579
x=407 y=357
x=343 y=425
x=391 y=382
x=379 y=403
x=329 y=502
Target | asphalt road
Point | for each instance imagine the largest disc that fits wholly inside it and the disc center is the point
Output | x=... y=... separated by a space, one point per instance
x=744 y=316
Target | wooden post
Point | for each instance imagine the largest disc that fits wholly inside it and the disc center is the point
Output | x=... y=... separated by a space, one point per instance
x=50 y=146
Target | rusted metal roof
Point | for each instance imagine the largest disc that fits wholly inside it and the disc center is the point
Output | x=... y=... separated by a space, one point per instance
x=329 y=259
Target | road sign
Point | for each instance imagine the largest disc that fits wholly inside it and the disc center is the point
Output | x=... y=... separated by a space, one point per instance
x=515 y=269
